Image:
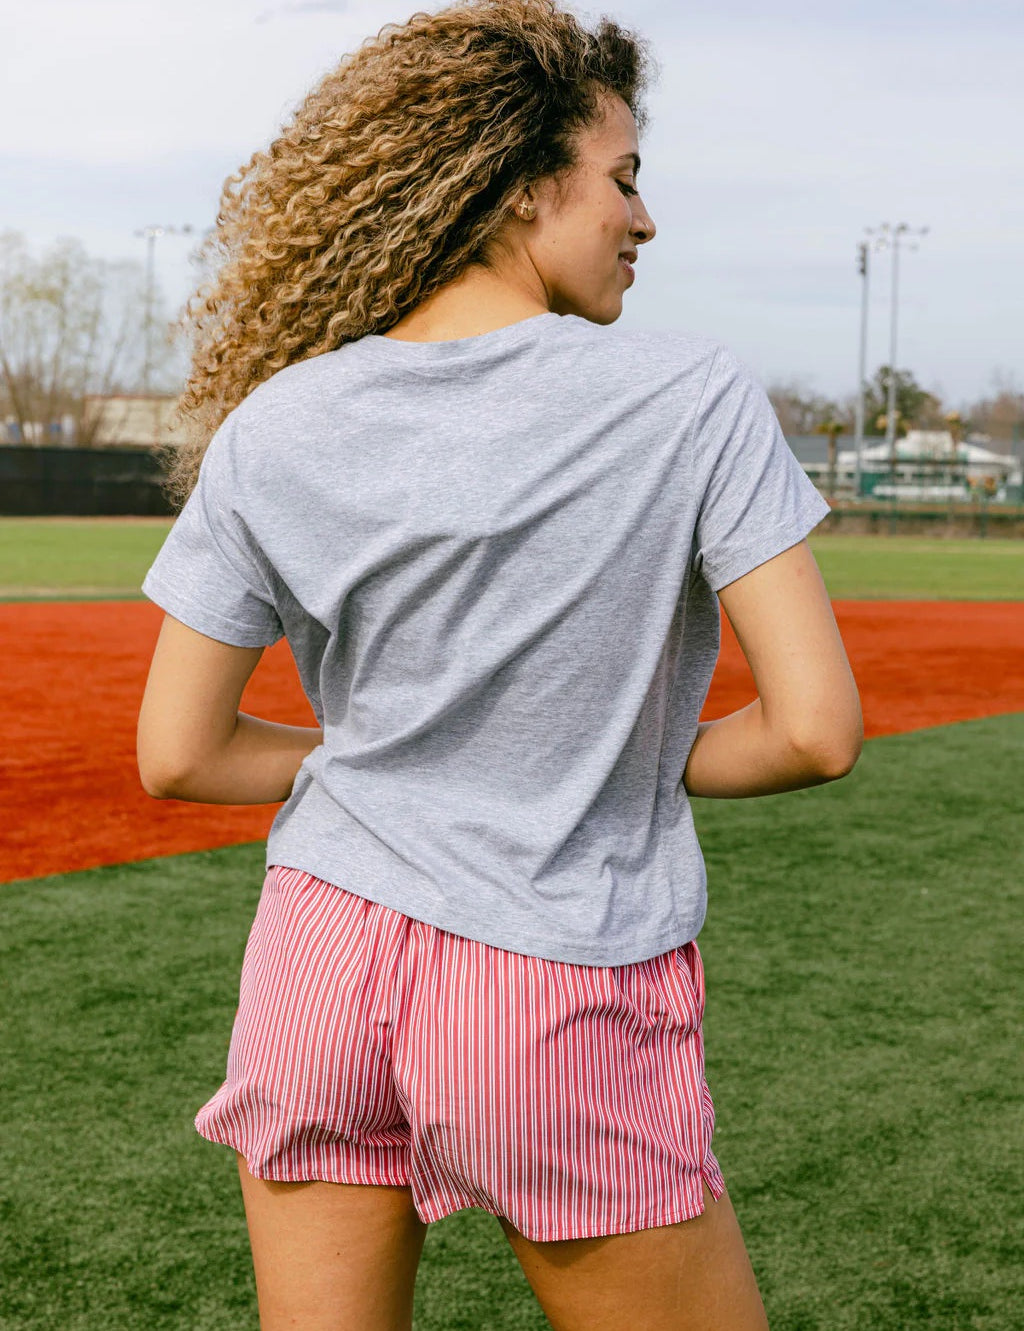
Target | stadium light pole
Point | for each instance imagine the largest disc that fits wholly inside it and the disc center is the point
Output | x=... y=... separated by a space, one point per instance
x=864 y=247
x=151 y=234
x=891 y=237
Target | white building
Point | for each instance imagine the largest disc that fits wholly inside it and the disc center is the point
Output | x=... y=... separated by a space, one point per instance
x=131 y=418
x=930 y=465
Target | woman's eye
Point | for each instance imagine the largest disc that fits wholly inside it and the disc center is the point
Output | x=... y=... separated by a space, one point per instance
x=627 y=189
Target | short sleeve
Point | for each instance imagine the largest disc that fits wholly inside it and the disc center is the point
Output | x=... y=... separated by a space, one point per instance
x=209 y=572
x=754 y=499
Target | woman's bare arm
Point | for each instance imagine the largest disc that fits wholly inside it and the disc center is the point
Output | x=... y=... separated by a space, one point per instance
x=194 y=744
x=805 y=727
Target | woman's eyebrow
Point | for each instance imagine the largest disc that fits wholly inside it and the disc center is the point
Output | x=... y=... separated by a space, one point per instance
x=631 y=157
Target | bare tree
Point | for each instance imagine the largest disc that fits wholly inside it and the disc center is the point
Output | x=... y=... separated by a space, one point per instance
x=1001 y=415
x=70 y=325
x=802 y=412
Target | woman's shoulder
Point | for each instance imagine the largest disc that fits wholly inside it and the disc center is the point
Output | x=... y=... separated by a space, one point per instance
x=288 y=401
x=294 y=387
x=637 y=346
x=677 y=362
x=702 y=358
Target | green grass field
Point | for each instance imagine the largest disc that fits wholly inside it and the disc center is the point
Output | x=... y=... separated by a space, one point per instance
x=863 y=1048
x=106 y=557
x=863 y=1033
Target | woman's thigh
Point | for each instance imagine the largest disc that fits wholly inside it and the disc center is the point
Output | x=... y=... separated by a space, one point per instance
x=332 y=1256
x=690 y=1276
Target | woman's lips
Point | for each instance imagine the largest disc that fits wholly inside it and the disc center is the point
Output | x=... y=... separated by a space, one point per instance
x=627 y=265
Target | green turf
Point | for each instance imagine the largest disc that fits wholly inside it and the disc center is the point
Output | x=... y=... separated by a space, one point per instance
x=920 y=567
x=97 y=557
x=863 y=1033
x=79 y=557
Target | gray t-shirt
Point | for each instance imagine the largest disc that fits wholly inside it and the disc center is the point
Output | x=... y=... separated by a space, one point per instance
x=496 y=560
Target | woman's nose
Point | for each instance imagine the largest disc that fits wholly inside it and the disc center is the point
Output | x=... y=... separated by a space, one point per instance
x=644 y=230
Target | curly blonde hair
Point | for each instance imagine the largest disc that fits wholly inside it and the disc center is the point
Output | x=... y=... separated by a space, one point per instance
x=394 y=175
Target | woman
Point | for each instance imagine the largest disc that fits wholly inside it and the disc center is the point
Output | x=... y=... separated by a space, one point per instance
x=496 y=534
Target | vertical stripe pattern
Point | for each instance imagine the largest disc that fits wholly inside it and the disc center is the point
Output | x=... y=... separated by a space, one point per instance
x=370 y=1047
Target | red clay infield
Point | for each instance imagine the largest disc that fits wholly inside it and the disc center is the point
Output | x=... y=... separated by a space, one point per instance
x=72 y=676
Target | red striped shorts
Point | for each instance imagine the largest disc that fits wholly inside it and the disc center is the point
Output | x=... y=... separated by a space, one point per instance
x=370 y=1047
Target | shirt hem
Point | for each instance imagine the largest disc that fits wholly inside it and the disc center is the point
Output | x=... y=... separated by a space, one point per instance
x=506 y=942
x=781 y=538
x=206 y=621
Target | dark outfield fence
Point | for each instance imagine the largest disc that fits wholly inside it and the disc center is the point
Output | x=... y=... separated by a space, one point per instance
x=72 y=482
x=895 y=517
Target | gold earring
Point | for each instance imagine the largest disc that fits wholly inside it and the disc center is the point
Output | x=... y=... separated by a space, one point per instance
x=526 y=210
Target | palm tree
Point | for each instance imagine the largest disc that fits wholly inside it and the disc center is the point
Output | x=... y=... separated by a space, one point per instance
x=832 y=428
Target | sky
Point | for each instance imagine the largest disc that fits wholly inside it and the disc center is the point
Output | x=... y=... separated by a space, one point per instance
x=777 y=134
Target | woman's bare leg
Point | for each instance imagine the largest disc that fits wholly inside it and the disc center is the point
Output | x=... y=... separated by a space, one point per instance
x=332 y=1256
x=691 y=1276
